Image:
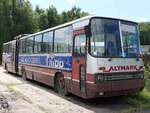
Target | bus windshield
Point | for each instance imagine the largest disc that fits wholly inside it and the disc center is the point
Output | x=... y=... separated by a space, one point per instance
x=108 y=40
x=130 y=39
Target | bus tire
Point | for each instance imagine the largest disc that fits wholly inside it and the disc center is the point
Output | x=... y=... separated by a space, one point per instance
x=6 y=67
x=60 y=85
x=24 y=75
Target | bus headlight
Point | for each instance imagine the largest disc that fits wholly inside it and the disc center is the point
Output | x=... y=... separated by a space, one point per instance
x=99 y=77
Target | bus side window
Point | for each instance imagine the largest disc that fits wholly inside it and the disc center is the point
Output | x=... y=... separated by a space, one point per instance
x=63 y=40
x=29 y=45
x=47 y=46
x=22 y=46
x=80 y=44
x=37 y=44
x=10 y=48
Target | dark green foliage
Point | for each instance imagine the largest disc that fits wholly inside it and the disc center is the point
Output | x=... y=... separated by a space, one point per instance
x=49 y=18
x=41 y=18
x=145 y=33
x=16 y=19
x=73 y=14
x=147 y=71
x=53 y=17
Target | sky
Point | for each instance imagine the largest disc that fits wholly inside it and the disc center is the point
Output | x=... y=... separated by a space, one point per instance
x=136 y=10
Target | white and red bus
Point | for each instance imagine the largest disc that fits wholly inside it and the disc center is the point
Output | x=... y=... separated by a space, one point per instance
x=89 y=57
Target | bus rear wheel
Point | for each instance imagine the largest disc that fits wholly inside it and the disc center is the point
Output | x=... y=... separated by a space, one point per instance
x=24 y=75
x=60 y=85
x=6 y=67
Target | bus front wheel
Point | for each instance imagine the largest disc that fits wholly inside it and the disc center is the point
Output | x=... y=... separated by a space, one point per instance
x=60 y=85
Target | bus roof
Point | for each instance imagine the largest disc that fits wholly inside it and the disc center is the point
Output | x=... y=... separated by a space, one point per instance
x=16 y=37
x=72 y=22
x=60 y=26
x=9 y=42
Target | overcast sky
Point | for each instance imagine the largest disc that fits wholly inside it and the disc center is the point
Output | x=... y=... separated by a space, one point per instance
x=136 y=10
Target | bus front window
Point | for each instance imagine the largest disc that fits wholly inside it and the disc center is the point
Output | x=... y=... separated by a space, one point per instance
x=105 y=39
x=130 y=39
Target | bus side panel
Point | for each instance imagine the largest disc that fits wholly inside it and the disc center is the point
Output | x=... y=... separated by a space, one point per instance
x=41 y=68
x=45 y=75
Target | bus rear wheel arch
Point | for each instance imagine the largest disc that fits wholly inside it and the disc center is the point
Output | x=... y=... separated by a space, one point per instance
x=60 y=85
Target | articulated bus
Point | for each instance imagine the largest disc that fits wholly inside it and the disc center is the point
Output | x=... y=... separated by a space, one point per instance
x=88 y=57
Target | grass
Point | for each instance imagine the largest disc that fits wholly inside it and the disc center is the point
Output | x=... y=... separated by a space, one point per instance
x=140 y=100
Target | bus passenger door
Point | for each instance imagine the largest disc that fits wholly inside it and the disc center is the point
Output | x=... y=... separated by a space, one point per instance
x=79 y=63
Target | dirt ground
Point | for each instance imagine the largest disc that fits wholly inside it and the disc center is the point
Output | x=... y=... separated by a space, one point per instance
x=19 y=96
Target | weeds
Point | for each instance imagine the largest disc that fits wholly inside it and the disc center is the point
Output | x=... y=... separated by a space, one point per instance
x=140 y=100
x=147 y=71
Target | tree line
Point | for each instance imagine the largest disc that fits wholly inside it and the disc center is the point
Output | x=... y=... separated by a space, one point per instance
x=19 y=18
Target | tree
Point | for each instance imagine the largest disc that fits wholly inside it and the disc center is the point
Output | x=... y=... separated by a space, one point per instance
x=64 y=17
x=42 y=18
x=145 y=33
x=23 y=19
x=72 y=14
x=53 y=18
x=49 y=18
x=15 y=19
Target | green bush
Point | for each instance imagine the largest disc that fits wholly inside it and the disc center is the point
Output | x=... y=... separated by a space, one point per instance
x=140 y=100
x=147 y=71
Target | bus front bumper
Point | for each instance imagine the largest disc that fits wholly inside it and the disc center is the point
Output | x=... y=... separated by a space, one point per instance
x=114 y=88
